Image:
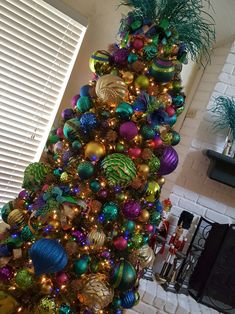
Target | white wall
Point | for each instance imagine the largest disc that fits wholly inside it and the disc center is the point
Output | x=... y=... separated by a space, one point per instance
x=189 y=185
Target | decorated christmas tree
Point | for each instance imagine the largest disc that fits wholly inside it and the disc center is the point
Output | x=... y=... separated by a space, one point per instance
x=78 y=234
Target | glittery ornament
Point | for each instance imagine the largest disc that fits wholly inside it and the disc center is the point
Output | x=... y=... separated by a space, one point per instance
x=6 y=273
x=111 y=88
x=65 y=309
x=34 y=176
x=24 y=279
x=120 y=56
x=119 y=169
x=154 y=165
x=147 y=132
x=95 y=292
x=88 y=122
x=128 y=130
x=131 y=209
x=137 y=240
x=110 y=211
x=47 y=305
x=96 y=238
x=155 y=218
x=144 y=256
x=16 y=218
x=123 y=276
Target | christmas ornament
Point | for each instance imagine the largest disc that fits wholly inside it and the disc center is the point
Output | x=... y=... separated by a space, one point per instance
x=120 y=243
x=131 y=209
x=8 y=303
x=81 y=265
x=110 y=211
x=48 y=256
x=46 y=305
x=124 y=111
x=162 y=70
x=128 y=77
x=144 y=256
x=6 y=273
x=123 y=276
x=85 y=170
x=128 y=130
x=142 y=82
x=128 y=299
x=24 y=279
x=119 y=169
x=152 y=191
x=168 y=160
x=84 y=103
x=111 y=88
x=65 y=309
x=96 y=238
x=34 y=176
x=99 y=62
x=16 y=218
x=71 y=129
x=94 y=150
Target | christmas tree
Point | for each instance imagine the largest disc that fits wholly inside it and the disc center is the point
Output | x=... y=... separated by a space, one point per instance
x=78 y=233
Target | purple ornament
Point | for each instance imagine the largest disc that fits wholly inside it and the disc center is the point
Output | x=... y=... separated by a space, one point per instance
x=131 y=209
x=169 y=161
x=120 y=56
x=66 y=156
x=74 y=100
x=128 y=130
x=67 y=114
x=6 y=273
x=23 y=194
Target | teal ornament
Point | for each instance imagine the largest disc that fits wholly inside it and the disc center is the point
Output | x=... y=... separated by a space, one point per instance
x=52 y=139
x=48 y=256
x=84 y=104
x=95 y=185
x=130 y=225
x=147 y=132
x=119 y=169
x=123 y=276
x=132 y=58
x=116 y=302
x=26 y=234
x=155 y=218
x=81 y=266
x=170 y=120
x=175 y=138
x=145 y=239
x=110 y=211
x=85 y=170
x=76 y=145
x=71 y=129
x=178 y=101
x=124 y=111
x=65 y=309
x=35 y=175
x=150 y=51
x=162 y=70
x=5 y=211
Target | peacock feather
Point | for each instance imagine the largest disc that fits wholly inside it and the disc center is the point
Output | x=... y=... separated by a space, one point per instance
x=224 y=110
x=194 y=26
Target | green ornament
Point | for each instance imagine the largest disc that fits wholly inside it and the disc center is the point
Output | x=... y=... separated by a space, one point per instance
x=142 y=82
x=81 y=266
x=110 y=211
x=155 y=218
x=130 y=225
x=95 y=185
x=5 y=210
x=120 y=197
x=175 y=138
x=15 y=242
x=147 y=132
x=52 y=139
x=119 y=169
x=176 y=85
x=154 y=165
x=84 y=103
x=132 y=58
x=47 y=305
x=26 y=234
x=178 y=111
x=124 y=111
x=136 y=24
x=8 y=304
x=34 y=176
x=85 y=170
x=94 y=266
x=137 y=240
x=76 y=145
x=24 y=279
x=124 y=276
x=162 y=70
x=120 y=147
x=71 y=129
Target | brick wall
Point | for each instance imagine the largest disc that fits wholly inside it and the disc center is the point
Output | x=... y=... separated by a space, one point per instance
x=189 y=187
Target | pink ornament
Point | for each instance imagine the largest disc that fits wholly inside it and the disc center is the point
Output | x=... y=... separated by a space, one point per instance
x=120 y=243
x=128 y=130
x=74 y=100
x=149 y=228
x=134 y=152
x=138 y=44
x=157 y=142
x=170 y=110
x=62 y=278
x=131 y=209
x=103 y=193
x=60 y=132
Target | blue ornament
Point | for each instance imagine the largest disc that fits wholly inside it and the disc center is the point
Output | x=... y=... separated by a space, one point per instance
x=88 y=122
x=158 y=117
x=48 y=256
x=84 y=90
x=128 y=299
x=159 y=206
x=5 y=250
x=170 y=120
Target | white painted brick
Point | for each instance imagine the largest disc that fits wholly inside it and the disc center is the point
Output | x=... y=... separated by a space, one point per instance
x=216 y=217
x=150 y=292
x=144 y=308
x=171 y=302
x=183 y=306
x=220 y=87
x=231 y=58
x=228 y=68
x=230 y=91
x=131 y=312
x=176 y=211
x=192 y=207
x=209 y=203
x=227 y=79
x=160 y=299
x=231 y=212
x=142 y=287
x=232 y=49
x=174 y=199
x=194 y=306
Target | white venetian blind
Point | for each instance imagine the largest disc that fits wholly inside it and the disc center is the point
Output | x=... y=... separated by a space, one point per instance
x=38 y=47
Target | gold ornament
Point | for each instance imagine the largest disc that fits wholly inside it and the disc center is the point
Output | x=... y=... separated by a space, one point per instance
x=144 y=215
x=16 y=218
x=94 y=149
x=8 y=303
x=128 y=77
x=46 y=285
x=95 y=292
x=144 y=256
x=143 y=170
x=96 y=238
x=153 y=191
x=161 y=181
x=64 y=177
x=111 y=88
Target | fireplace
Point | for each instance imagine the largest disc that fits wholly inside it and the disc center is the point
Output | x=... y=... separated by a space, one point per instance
x=213 y=279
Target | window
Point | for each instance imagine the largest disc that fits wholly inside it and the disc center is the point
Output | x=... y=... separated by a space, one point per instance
x=38 y=47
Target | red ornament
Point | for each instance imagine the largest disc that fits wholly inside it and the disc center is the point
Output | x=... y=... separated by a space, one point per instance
x=138 y=44
x=170 y=110
x=120 y=243
x=157 y=142
x=62 y=278
x=134 y=152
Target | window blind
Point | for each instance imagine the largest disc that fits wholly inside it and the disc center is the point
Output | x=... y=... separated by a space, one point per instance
x=38 y=47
